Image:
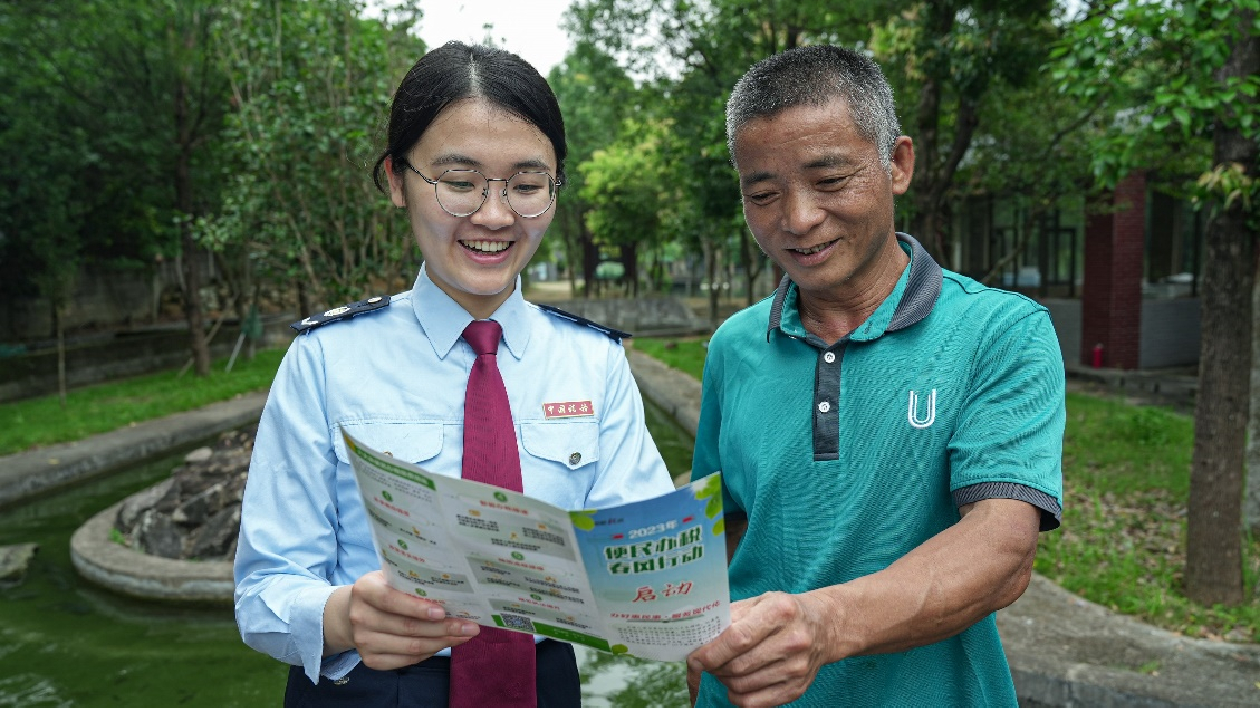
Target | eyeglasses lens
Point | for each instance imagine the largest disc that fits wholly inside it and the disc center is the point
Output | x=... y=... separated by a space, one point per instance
x=462 y=192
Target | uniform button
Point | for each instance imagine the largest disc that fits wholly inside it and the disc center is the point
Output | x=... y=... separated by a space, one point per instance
x=829 y=357
x=575 y=458
x=824 y=407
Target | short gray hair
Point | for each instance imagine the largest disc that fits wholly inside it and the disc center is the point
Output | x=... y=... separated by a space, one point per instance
x=813 y=76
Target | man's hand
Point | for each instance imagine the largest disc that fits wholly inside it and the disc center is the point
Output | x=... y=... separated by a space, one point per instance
x=771 y=652
x=389 y=628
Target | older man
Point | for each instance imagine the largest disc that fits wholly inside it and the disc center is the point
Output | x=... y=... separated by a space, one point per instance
x=889 y=432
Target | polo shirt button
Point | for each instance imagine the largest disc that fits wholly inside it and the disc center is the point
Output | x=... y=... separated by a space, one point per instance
x=829 y=357
x=824 y=407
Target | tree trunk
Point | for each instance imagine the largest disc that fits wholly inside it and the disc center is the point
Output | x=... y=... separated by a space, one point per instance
x=304 y=299
x=59 y=323
x=590 y=262
x=711 y=256
x=1251 y=503
x=1214 y=527
x=572 y=245
x=747 y=257
x=184 y=202
x=630 y=264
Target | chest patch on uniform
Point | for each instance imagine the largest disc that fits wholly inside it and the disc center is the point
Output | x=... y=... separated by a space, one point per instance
x=342 y=313
x=568 y=409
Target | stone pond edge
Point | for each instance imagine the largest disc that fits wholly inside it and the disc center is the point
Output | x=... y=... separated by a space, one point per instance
x=137 y=574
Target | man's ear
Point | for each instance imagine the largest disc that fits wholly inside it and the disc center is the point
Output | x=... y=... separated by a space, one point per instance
x=396 y=193
x=902 y=164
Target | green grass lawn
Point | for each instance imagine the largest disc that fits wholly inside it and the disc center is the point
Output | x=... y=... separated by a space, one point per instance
x=97 y=409
x=1126 y=474
x=685 y=354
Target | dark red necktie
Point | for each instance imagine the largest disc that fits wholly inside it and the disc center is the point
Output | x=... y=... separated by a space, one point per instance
x=497 y=667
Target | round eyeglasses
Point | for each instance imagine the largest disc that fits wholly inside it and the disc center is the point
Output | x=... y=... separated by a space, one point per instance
x=462 y=192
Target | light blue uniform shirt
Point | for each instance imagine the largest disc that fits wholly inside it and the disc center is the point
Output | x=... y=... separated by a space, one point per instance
x=395 y=378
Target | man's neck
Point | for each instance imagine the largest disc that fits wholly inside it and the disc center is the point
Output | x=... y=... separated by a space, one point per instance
x=831 y=315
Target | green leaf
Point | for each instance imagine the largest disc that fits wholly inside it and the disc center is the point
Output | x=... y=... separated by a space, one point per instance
x=1182 y=115
x=713 y=507
x=582 y=520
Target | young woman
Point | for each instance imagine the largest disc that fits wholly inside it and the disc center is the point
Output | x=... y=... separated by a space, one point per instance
x=475 y=155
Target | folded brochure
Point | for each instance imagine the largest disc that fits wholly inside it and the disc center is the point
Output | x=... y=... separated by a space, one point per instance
x=646 y=578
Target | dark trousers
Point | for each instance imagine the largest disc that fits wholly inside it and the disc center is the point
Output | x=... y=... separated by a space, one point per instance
x=426 y=685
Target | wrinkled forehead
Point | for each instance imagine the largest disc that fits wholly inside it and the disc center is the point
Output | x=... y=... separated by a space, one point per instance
x=789 y=122
x=821 y=134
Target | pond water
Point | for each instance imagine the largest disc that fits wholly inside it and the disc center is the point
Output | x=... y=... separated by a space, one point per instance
x=67 y=643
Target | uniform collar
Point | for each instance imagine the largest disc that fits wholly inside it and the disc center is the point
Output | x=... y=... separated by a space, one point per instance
x=443 y=320
x=910 y=301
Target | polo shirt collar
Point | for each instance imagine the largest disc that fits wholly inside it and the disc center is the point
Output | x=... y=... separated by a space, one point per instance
x=443 y=320
x=910 y=301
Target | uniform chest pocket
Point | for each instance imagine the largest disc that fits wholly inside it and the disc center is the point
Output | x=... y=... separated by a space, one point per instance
x=409 y=441
x=573 y=444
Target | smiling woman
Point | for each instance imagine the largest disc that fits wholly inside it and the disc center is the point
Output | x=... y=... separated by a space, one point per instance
x=460 y=375
x=476 y=239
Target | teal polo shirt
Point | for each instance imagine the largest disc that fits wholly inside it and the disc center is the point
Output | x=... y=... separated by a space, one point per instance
x=846 y=457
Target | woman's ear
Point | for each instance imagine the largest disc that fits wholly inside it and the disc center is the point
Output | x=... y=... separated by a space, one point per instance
x=396 y=193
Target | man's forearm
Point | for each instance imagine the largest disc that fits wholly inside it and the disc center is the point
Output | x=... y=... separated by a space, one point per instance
x=954 y=579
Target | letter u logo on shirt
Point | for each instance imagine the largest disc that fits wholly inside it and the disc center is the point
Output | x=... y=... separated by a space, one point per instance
x=912 y=412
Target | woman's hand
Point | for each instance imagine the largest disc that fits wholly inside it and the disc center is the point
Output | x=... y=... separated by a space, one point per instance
x=389 y=628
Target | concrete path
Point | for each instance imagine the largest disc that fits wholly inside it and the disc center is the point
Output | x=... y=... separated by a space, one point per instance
x=1063 y=650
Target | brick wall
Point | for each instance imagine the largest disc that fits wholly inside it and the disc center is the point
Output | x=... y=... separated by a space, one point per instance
x=1111 y=298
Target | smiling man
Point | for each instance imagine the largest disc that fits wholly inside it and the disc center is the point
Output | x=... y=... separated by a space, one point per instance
x=889 y=432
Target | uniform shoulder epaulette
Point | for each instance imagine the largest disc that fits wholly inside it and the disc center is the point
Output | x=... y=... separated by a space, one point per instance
x=342 y=313
x=614 y=334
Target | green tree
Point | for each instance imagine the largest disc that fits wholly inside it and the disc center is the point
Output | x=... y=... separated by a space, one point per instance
x=595 y=96
x=628 y=188
x=700 y=50
x=309 y=83
x=100 y=142
x=42 y=157
x=1188 y=77
x=945 y=59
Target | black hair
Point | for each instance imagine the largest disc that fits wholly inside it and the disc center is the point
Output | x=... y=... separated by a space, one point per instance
x=456 y=71
x=813 y=76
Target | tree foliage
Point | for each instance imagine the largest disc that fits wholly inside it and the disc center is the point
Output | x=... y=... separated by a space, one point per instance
x=311 y=83
x=1154 y=65
x=133 y=107
x=1181 y=80
x=954 y=66
x=595 y=96
x=84 y=155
